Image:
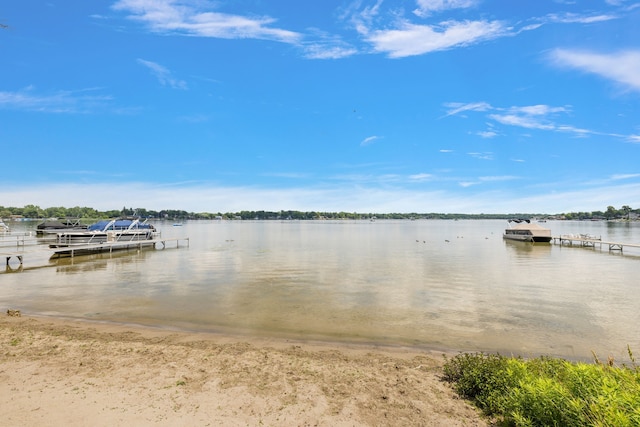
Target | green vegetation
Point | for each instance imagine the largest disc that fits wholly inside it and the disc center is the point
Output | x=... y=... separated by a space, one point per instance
x=624 y=212
x=548 y=392
x=36 y=212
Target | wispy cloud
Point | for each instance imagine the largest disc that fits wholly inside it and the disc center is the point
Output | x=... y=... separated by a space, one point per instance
x=288 y=175
x=393 y=31
x=421 y=177
x=481 y=156
x=574 y=18
x=621 y=67
x=537 y=117
x=525 y=121
x=486 y=179
x=411 y=39
x=619 y=177
x=455 y=108
x=498 y=178
x=369 y=140
x=319 y=50
x=70 y=102
x=427 y=7
x=487 y=134
x=197 y=19
x=163 y=75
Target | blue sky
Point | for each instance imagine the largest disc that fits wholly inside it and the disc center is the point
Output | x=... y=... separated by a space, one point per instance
x=463 y=106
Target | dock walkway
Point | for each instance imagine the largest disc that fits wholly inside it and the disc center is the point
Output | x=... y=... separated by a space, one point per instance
x=591 y=241
x=81 y=248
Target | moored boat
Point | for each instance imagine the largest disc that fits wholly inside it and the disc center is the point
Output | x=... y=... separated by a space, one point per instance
x=55 y=226
x=526 y=231
x=111 y=231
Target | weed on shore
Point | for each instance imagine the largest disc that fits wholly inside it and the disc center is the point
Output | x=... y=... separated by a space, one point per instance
x=548 y=391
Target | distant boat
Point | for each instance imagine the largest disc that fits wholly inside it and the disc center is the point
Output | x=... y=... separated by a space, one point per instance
x=177 y=224
x=3 y=227
x=525 y=231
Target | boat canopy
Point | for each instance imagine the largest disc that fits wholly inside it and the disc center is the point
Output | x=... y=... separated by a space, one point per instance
x=119 y=225
x=56 y=223
x=534 y=228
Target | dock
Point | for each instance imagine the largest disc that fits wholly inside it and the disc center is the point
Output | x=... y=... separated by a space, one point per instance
x=82 y=248
x=586 y=240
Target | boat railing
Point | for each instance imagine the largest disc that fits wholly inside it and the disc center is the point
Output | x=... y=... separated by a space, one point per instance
x=133 y=225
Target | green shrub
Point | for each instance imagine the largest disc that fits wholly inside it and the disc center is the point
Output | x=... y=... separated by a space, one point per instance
x=546 y=391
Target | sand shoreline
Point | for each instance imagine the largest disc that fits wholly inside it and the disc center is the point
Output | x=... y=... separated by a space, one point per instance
x=57 y=371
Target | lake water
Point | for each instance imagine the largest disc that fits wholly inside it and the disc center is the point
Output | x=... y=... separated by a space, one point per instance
x=450 y=285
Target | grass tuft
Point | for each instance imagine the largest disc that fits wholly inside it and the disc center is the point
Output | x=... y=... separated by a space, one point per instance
x=548 y=392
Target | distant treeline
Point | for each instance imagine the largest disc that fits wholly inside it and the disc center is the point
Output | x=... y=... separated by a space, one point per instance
x=36 y=212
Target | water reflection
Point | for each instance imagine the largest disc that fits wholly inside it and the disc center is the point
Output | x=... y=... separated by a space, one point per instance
x=97 y=261
x=528 y=248
x=444 y=284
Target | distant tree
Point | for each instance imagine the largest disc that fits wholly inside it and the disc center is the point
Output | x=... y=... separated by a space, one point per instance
x=55 y=212
x=611 y=212
x=32 y=211
x=627 y=210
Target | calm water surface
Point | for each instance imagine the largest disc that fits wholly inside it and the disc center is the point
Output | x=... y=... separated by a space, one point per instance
x=451 y=285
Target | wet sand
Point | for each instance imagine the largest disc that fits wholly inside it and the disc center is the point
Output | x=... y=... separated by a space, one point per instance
x=62 y=372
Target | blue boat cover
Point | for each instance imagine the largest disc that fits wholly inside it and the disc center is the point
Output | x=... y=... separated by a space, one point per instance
x=118 y=225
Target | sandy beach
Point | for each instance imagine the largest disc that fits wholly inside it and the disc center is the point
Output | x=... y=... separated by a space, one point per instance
x=62 y=372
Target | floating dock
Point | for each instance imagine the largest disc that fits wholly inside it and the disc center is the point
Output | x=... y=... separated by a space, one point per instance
x=591 y=241
x=82 y=249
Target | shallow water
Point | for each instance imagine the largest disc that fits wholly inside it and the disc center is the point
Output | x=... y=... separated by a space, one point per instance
x=454 y=285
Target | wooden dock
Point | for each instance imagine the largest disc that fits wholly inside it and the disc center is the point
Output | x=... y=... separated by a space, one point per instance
x=81 y=248
x=586 y=240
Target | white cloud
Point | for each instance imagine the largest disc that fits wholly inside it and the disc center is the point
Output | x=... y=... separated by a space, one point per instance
x=625 y=176
x=524 y=121
x=169 y=16
x=497 y=178
x=621 y=67
x=163 y=75
x=540 y=117
x=488 y=134
x=421 y=177
x=410 y=39
x=457 y=107
x=573 y=18
x=481 y=156
x=538 y=110
x=70 y=102
x=354 y=198
x=426 y=7
x=328 y=51
x=369 y=140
